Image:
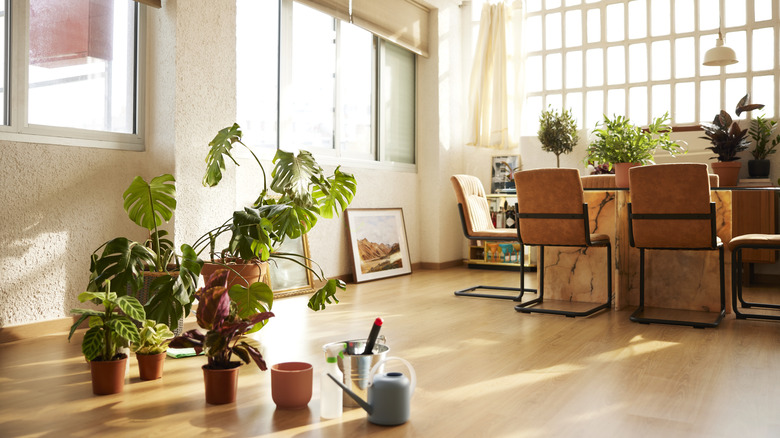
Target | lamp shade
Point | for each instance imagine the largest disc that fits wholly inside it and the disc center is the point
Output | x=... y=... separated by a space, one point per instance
x=720 y=55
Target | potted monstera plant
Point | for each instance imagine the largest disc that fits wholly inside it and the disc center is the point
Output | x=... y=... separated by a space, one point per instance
x=728 y=139
x=163 y=281
x=622 y=145
x=227 y=315
x=111 y=328
x=298 y=194
x=150 y=349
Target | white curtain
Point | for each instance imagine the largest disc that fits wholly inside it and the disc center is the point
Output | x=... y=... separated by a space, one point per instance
x=490 y=118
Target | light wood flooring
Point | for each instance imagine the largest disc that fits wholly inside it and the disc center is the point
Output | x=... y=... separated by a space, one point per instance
x=483 y=370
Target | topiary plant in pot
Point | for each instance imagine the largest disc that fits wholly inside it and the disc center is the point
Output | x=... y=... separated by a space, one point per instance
x=557 y=132
x=110 y=329
x=150 y=349
x=299 y=194
x=151 y=270
x=621 y=144
x=728 y=139
x=227 y=315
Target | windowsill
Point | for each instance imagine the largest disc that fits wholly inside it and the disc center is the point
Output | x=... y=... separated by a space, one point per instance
x=135 y=143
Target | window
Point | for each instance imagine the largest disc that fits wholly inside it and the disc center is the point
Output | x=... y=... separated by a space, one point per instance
x=306 y=80
x=76 y=82
x=642 y=58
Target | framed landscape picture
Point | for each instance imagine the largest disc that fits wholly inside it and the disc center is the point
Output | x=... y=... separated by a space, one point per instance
x=378 y=242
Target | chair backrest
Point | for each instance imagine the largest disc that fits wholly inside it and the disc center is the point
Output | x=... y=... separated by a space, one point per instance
x=551 y=207
x=671 y=207
x=471 y=197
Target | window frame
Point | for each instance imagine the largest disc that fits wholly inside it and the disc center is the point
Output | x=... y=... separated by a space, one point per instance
x=19 y=129
x=702 y=40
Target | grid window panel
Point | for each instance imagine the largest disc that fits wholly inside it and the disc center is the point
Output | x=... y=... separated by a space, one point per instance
x=574 y=28
x=637 y=19
x=660 y=11
x=637 y=110
x=764 y=50
x=593 y=25
x=616 y=62
x=615 y=20
x=764 y=86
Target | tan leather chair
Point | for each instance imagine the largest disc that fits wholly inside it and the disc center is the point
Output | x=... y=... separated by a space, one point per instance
x=552 y=212
x=671 y=209
x=477 y=225
x=736 y=245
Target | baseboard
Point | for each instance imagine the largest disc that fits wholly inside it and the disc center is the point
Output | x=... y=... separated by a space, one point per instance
x=438 y=266
x=35 y=329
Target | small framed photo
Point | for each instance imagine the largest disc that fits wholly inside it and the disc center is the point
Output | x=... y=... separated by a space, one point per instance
x=378 y=242
x=503 y=166
x=287 y=277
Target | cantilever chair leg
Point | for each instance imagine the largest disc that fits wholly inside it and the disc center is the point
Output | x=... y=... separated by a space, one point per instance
x=468 y=292
x=526 y=307
x=695 y=324
x=736 y=281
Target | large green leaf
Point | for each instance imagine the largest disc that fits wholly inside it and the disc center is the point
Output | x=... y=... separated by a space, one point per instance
x=121 y=262
x=92 y=345
x=325 y=294
x=124 y=328
x=132 y=307
x=250 y=237
x=292 y=176
x=290 y=220
x=252 y=300
x=151 y=204
x=337 y=194
x=220 y=147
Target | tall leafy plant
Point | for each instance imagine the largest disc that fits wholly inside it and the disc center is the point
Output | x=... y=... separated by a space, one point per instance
x=299 y=194
x=725 y=134
x=120 y=263
x=761 y=131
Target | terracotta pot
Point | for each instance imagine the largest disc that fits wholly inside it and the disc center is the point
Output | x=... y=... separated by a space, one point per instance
x=108 y=377
x=759 y=168
x=621 y=173
x=150 y=366
x=291 y=384
x=252 y=272
x=727 y=171
x=221 y=385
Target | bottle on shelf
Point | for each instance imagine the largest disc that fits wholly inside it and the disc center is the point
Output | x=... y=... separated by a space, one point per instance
x=331 y=396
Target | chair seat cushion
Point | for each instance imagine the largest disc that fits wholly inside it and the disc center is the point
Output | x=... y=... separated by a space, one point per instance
x=755 y=239
x=496 y=234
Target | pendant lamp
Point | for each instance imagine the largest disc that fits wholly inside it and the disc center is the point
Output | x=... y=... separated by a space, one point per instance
x=720 y=55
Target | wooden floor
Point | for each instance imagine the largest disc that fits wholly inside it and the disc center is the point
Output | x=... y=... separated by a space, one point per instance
x=483 y=371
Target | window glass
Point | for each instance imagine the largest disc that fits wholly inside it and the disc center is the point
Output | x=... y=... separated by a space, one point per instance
x=710 y=100
x=764 y=50
x=661 y=100
x=738 y=42
x=660 y=50
x=616 y=65
x=637 y=19
x=356 y=90
x=573 y=28
x=397 y=105
x=709 y=14
x=637 y=99
x=764 y=86
x=593 y=26
x=574 y=103
x=637 y=62
x=616 y=101
x=308 y=116
x=594 y=63
x=615 y=18
x=594 y=108
x=553 y=71
x=659 y=17
x=574 y=69
x=81 y=69
x=684 y=110
x=683 y=11
x=684 y=58
x=553 y=31
x=735 y=13
x=4 y=66
x=762 y=10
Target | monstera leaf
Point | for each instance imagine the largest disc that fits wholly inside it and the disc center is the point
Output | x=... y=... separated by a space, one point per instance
x=220 y=148
x=172 y=296
x=121 y=262
x=151 y=204
x=336 y=194
x=292 y=176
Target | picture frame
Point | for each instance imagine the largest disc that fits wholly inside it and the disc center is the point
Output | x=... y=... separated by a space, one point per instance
x=501 y=170
x=287 y=277
x=377 y=238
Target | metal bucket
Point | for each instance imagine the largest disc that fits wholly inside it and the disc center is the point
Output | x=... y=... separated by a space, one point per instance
x=357 y=367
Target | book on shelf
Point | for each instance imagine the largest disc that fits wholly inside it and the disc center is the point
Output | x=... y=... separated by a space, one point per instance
x=754 y=182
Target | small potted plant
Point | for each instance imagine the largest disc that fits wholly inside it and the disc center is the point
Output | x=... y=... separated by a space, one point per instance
x=761 y=131
x=623 y=145
x=728 y=139
x=150 y=349
x=227 y=315
x=557 y=132
x=149 y=270
x=111 y=329
x=299 y=194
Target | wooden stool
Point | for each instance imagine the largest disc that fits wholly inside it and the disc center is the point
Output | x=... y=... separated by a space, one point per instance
x=737 y=244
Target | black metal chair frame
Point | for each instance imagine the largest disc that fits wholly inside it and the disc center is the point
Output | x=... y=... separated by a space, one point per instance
x=468 y=292
x=714 y=245
x=526 y=306
x=736 y=285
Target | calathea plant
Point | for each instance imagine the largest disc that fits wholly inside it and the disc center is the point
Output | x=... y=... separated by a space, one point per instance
x=110 y=328
x=299 y=194
x=153 y=338
x=725 y=134
x=227 y=315
x=120 y=263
